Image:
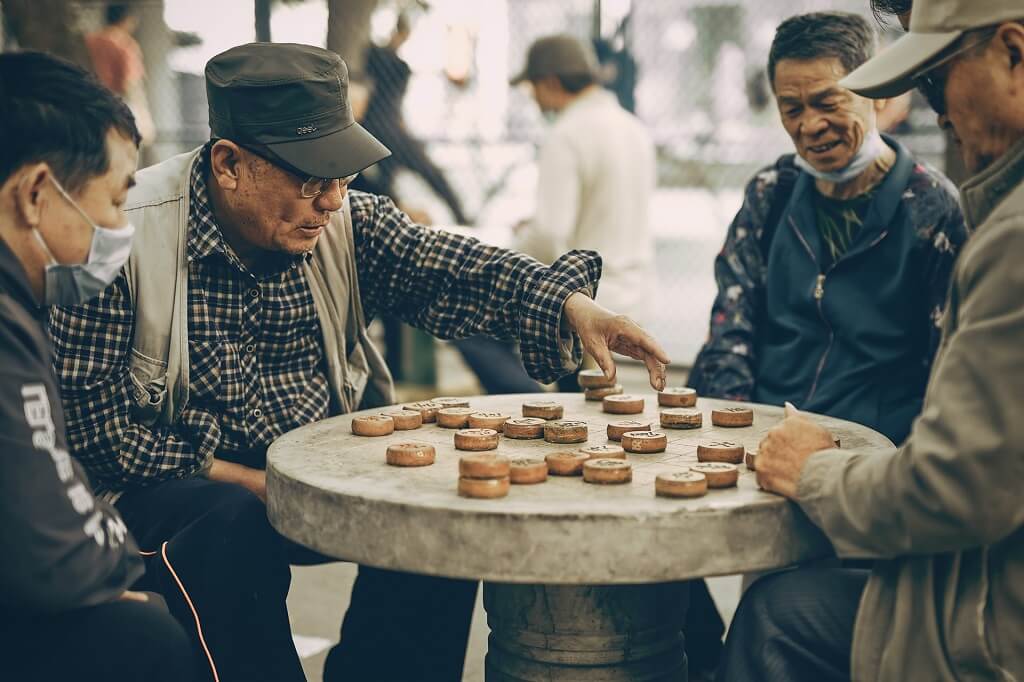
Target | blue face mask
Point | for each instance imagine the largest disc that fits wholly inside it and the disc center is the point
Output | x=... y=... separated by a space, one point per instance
x=870 y=150
x=78 y=282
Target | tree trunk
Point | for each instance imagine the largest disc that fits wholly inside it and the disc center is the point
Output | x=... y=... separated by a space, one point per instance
x=348 y=31
x=262 y=8
x=48 y=26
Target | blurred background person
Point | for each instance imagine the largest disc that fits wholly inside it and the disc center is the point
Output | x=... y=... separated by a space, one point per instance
x=595 y=179
x=117 y=61
x=390 y=75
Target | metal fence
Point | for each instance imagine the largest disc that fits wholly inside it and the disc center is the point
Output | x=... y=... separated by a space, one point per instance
x=692 y=70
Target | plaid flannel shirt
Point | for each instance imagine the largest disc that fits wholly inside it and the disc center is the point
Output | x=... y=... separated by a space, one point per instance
x=256 y=362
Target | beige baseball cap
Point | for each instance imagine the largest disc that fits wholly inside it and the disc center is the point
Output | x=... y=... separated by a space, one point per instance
x=934 y=26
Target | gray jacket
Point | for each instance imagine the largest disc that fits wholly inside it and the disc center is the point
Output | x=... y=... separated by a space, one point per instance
x=944 y=514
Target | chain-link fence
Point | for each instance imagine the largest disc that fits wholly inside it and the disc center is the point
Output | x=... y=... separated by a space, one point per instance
x=692 y=70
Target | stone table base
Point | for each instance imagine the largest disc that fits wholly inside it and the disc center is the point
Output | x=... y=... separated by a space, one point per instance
x=563 y=633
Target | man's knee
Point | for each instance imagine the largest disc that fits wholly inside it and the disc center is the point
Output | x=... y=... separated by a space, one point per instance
x=149 y=626
x=232 y=542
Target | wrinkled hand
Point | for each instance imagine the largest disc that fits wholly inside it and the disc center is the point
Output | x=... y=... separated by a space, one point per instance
x=602 y=332
x=784 y=451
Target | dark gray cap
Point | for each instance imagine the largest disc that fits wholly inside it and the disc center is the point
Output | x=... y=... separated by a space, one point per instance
x=558 y=55
x=293 y=100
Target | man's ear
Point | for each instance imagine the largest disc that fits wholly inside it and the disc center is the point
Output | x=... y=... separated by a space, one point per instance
x=1011 y=37
x=29 y=197
x=226 y=164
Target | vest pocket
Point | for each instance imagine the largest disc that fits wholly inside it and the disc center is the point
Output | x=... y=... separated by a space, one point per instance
x=148 y=390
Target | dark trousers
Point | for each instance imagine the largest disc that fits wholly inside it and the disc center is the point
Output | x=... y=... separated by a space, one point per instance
x=122 y=641
x=225 y=573
x=795 y=626
x=704 y=629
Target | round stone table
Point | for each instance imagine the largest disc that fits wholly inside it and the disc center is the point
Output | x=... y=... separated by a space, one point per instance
x=581 y=581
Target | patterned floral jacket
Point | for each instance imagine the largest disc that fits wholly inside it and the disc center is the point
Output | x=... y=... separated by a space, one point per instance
x=854 y=340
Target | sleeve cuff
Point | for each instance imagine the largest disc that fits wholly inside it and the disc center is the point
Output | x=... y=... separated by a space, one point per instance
x=816 y=489
x=549 y=348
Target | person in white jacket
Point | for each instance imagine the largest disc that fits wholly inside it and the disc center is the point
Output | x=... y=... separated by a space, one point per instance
x=596 y=175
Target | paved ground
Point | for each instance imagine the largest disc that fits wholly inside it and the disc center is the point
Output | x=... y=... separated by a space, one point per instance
x=319 y=594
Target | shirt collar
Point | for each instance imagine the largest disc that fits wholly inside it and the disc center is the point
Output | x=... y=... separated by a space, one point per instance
x=983 y=193
x=204 y=237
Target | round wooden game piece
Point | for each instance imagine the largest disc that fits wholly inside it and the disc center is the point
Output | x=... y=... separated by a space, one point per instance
x=484 y=465
x=373 y=425
x=750 y=459
x=522 y=428
x=607 y=471
x=681 y=484
x=616 y=429
x=604 y=452
x=450 y=402
x=405 y=420
x=593 y=378
x=732 y=416
x=719 y=474
x=484 y=488
x=565 y=463
x=565 y=431
x=476 y=439
x=528 y=470
x=720 y=451
x=454 y=417
x=681 y=418
x=543 y=409
x=410 y=454
x=602 y=393
x=677 y=397
x=623 y=404
x=487 y=420
x=427 y=409
x=644 y=442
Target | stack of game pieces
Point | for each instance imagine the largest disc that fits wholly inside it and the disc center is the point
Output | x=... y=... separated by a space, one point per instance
x=595 y=386
x=485 y=475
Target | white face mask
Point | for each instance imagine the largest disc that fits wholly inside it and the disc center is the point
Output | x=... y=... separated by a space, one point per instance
x=78 y=282
x=870 y=149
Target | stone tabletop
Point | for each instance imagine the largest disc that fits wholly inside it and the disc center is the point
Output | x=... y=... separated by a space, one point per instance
x=332 y=491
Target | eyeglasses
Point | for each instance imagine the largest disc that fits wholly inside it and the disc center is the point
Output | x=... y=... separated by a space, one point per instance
x=312 y=186
x=931 y=81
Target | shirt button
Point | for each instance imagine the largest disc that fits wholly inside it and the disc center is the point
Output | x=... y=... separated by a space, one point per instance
x=257 y=412
x=254 y=293
x=251 y=348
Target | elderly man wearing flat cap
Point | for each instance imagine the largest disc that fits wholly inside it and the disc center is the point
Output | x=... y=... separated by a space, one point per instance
x=242 y=314
x=941 y=517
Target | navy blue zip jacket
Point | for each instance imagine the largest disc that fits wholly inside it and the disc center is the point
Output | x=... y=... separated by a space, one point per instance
x=854 y=339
